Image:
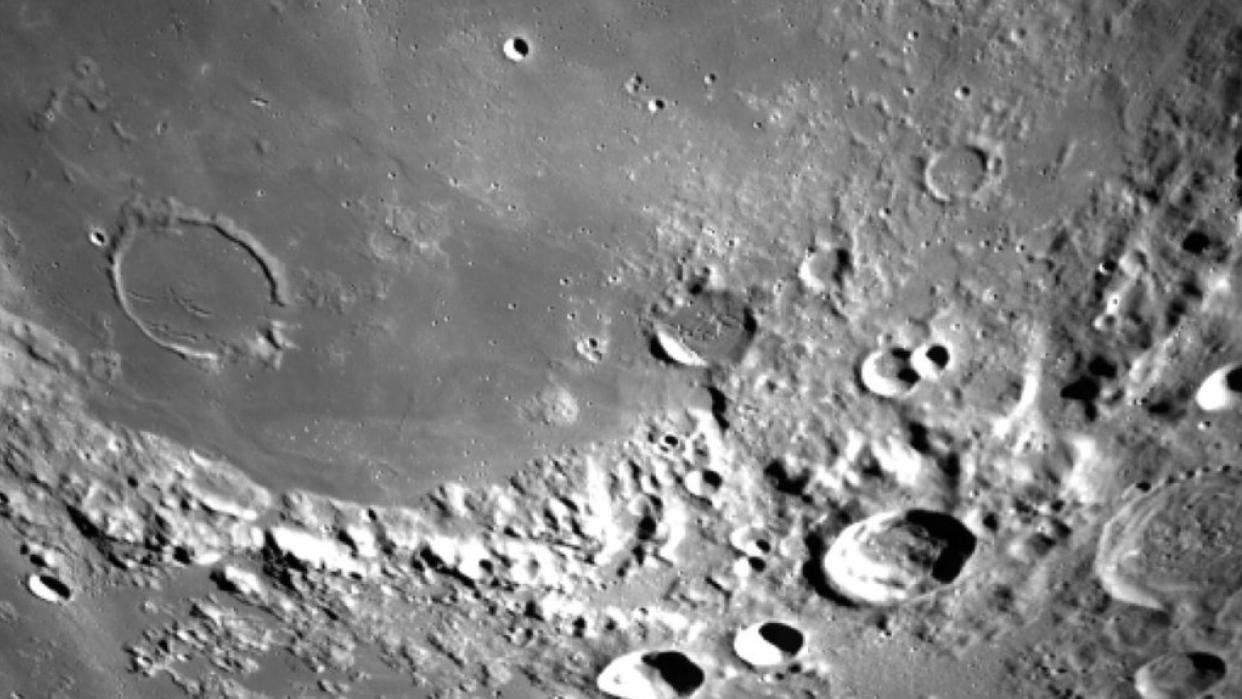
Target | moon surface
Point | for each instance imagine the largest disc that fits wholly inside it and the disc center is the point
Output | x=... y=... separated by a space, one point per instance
x=832 y=350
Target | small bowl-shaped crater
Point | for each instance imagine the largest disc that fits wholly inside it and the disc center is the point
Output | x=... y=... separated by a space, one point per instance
x=750 y=540
x=516 y=48
x=1221 y=390
x=768 y=644
x=703 y=483
x=931 y=359
x=888 y=373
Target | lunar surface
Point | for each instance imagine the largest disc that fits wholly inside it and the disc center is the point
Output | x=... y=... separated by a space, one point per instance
x=632 y=350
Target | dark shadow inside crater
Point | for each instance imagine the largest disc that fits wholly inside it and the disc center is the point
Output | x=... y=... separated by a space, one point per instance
x=958 y=542
x=1209 y=665
x=680 y=672
x=784 y=637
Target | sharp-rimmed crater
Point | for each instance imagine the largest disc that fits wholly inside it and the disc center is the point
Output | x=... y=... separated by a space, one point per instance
x=894 y=556
x=768 y=644
x=517 y=48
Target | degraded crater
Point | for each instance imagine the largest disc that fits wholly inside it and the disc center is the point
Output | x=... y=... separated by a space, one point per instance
x=824 y=268
x=197 y=284
x=895 y=556
x=1175 y=547
x=1179 y=675
x=960 y=172
x=711 y=328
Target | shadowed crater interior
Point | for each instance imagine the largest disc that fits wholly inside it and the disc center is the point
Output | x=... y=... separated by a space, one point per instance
x=680 y=672
x=957 y=542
